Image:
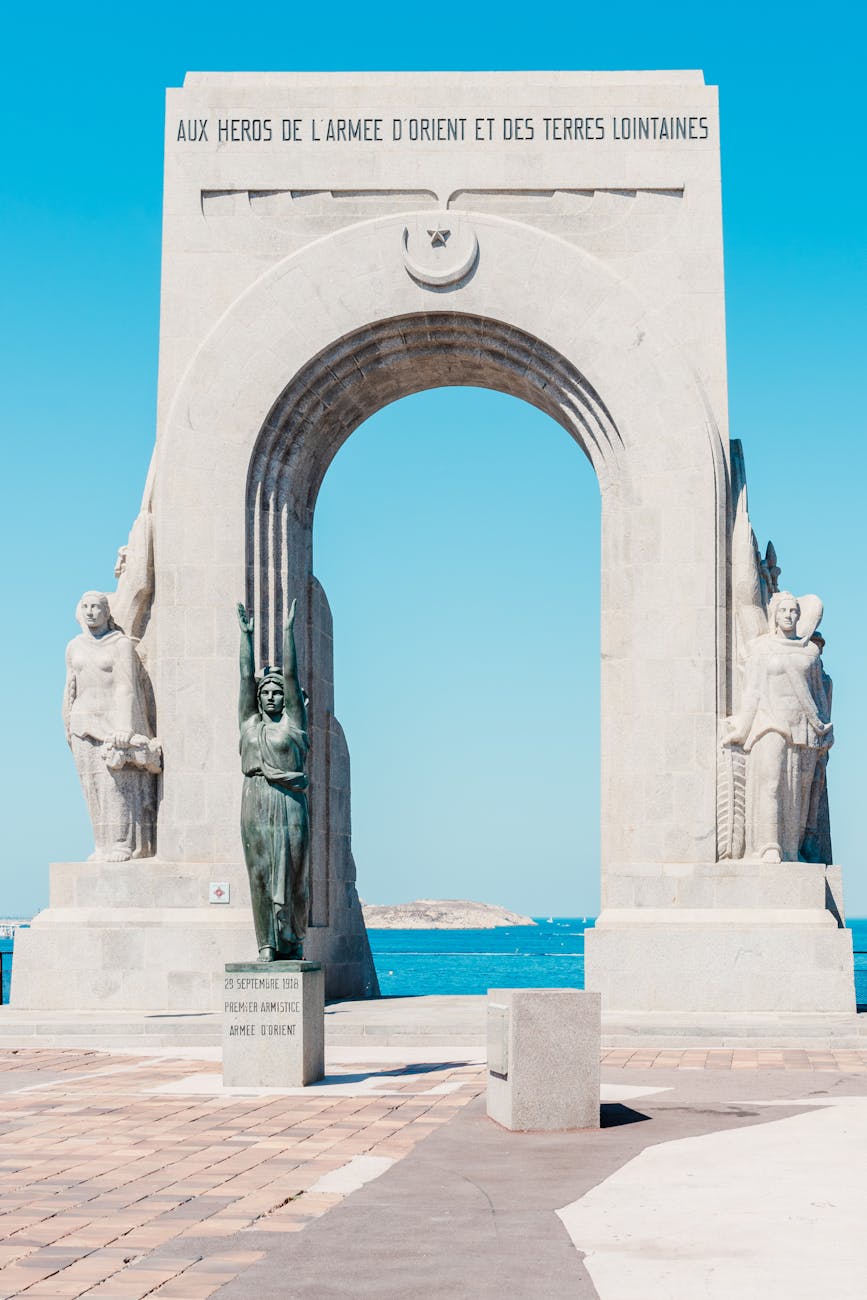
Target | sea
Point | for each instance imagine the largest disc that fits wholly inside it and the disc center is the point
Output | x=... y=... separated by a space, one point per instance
x=550 y=954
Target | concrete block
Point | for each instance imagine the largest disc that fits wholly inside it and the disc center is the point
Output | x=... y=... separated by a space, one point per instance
x=795 y=961
x=543 y=1058
x=273 y=1024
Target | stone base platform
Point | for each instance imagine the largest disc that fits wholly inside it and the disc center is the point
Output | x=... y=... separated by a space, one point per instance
x=154 y=935
x=429 y=1024
x=834 y=1031
x=133 y=936
x=721 y=939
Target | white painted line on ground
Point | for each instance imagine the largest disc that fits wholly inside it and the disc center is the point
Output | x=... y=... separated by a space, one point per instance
x=73 y=1076
x=359 y=1084
x=349 y=1177
x=626 y=1091
x=774 y=1211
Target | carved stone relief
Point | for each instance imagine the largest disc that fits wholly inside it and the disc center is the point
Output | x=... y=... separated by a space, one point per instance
x=773 y=802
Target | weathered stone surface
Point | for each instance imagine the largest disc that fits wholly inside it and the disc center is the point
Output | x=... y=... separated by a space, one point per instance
x=734 y=961
x=109 y=728
x=721 y=885
x=784 y=730
x=123 y=936
x=290 y=314
x=273 y=1024
x=543 y=1058
x=299 y=297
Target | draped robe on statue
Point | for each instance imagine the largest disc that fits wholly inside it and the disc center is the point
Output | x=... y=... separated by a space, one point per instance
x=784 y=713
x=274 y=828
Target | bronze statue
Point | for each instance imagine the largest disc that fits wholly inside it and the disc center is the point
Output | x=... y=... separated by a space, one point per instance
x=275 y=828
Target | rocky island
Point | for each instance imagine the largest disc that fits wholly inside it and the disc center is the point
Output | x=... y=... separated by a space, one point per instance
x=440 y=914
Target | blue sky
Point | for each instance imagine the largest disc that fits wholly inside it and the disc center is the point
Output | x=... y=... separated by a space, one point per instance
x=464 y=589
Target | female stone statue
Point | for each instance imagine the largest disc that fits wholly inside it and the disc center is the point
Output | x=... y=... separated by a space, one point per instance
x=275 y=829
x=783 y=726
x=105 y=711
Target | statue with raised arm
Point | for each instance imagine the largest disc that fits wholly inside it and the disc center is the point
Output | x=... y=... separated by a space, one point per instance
x=784 y=728
x=110 y=733
x=275 y=828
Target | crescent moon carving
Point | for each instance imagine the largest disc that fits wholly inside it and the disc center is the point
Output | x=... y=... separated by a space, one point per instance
x=440 y=275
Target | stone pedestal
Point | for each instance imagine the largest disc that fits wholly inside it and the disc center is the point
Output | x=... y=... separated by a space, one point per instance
x=722 y=937
x=154 y=935
x=273 y=1024
x=543 y=1058
x=134 y=936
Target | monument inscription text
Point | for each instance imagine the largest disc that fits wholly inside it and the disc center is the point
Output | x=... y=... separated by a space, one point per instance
x=262 y=1005
x=574 y=128
x=273 y=1024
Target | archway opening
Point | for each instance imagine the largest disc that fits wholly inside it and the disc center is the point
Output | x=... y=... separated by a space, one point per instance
x=456 y=535
x=351 y=379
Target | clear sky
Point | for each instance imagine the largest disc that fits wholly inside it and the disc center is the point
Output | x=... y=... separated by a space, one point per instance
x=463 y=575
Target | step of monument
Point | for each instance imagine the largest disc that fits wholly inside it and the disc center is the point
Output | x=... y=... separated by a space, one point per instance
x=769 y=1031
x=435 y=1022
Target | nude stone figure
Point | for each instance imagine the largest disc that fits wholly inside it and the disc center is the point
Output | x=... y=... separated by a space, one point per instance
x=110 y=734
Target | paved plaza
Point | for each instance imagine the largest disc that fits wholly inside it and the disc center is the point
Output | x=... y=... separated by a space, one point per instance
x=715 y=1173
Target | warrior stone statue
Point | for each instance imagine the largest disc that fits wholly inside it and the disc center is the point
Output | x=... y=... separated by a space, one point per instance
x=275 y=829
x=785 y=730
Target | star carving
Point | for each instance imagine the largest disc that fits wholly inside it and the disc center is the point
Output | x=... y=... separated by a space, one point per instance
x=438 y=237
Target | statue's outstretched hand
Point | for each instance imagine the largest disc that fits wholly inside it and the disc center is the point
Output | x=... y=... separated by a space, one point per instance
x=244 y=619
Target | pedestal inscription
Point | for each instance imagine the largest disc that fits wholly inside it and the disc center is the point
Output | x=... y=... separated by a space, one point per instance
x=273 y=1024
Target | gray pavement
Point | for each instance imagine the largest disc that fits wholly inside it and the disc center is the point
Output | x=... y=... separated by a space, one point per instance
x=471 y=1211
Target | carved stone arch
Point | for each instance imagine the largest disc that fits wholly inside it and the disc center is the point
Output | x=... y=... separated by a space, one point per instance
x=323 y=340
x=358 y=375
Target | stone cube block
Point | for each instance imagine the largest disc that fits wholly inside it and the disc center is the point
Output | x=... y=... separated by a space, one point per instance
x=543 y=1058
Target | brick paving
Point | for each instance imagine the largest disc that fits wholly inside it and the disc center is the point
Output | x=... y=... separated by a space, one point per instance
x=103 y=1177
x=99 y=1174
x=846 y=1061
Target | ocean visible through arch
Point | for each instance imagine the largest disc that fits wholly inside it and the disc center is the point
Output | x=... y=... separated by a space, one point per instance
x=550 y=954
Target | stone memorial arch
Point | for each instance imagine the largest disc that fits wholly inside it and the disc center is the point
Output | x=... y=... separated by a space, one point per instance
x=331 y=244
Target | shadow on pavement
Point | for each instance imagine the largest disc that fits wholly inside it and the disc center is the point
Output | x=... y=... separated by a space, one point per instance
x=613 y=1113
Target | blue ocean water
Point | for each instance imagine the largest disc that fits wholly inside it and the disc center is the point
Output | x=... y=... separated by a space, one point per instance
x=547 y=955
x=5 y=968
